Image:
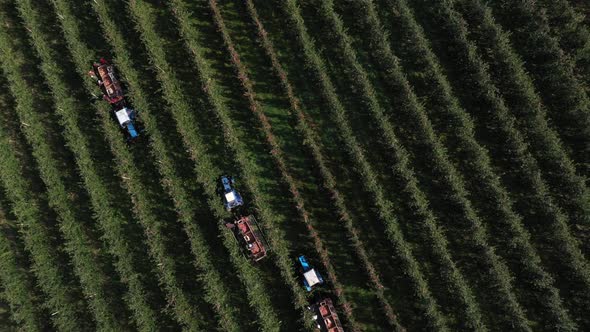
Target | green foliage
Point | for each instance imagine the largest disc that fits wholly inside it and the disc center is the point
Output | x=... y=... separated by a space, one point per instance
x=277 y=153
x=567 y=103
x=522 y=170
x=395 y=79
x=110 y=219
x=216 y=291
x=569 y=189
x=393 y=232
x=474 y=162
x=311 y=140
x=157 y=240
x=569 y=27
x=88 y=265
x=480 y=126
x=61 y=296
x=17 y=283
x=207 y=172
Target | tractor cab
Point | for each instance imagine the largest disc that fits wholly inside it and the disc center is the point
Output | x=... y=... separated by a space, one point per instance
x=111 y=88
x=325 y=316
x=250 y=237
x=311 y=277
x=126 y=116
x=231 y=197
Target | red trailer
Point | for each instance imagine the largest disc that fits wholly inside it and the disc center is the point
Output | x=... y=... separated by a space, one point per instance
x=326 y=317
x=111 y=88
x=251 y=237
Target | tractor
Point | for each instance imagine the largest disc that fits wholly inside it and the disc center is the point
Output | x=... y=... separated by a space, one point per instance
x=231 y=197
x=126 y=118
x=311 y=277
x=325 y=316
x=104 y=74
x=250 y=237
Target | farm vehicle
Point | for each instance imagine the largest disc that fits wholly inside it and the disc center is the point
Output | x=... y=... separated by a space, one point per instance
x=251 y=239
x=245 y=228
x=325 y=316
x=104 y=74
x=231 y=197
x=311 y=277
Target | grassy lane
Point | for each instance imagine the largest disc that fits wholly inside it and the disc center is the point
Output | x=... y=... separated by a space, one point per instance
x=390 y=72
x=216 y=291
x=182 y=304
x=61 y=297
x=450 y=120
x=568 y=26
x=312 y=142
x=425 y=143
x=90 y=266
x=317 y=200
x=235 y=139
x=17 y=282
x=278 y=155
x=111 y=220
x=567 y=102
x=509 y=152
x=359 y=202
x=508 y=71
x=426 y=303
x=206 y=170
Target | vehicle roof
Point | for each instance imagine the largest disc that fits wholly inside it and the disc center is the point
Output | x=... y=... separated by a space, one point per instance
x=230 y=196
x=122 y=116
x=312 y=277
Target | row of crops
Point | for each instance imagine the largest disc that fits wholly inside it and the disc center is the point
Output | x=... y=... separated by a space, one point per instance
x=431 y=158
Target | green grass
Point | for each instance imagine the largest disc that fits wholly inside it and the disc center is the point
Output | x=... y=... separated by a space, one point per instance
x=413 y=150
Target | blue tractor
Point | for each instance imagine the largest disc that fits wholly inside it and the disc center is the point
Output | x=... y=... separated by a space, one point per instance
x=231 y=197
x=126 y=118
x=104 y=74
x=311 y=277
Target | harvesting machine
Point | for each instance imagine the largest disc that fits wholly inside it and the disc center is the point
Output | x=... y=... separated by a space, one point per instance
x=311 y=277
x=325 y=316
x=231 y=197
x=104 y=73
x=250 y=237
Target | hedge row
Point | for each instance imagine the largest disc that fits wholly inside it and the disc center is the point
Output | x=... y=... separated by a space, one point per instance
x=474 y=162
x=110 y=219
x=247 y=165
x=207 y=172
x=508 y=71
x=17 y=284
x=395 y=79
x=507 y=146
x=552 y=72
x=311 y=140
x=178 y=298
x=568 y=26
x=278 y=156
x=426 y=301
x=62 y=297
x=216 y=292
x=89 y=264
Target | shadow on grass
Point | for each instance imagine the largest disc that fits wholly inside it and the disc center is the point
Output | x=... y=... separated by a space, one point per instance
x=348 y=182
